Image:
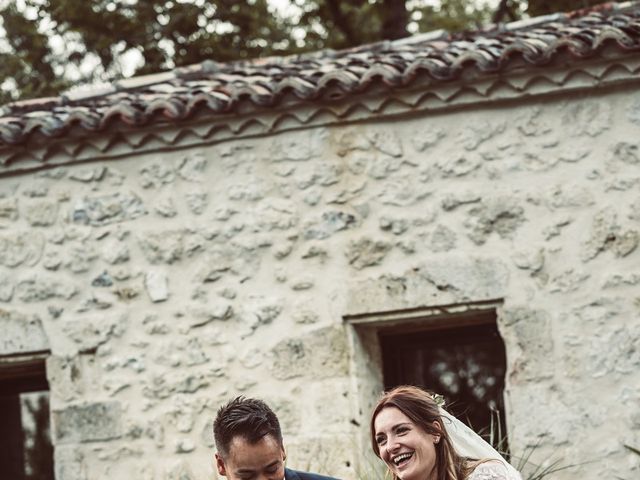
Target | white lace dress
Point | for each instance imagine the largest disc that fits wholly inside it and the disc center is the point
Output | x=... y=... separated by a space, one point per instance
x=492 y=470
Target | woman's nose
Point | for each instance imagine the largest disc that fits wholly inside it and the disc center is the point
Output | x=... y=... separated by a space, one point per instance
x=392 y=445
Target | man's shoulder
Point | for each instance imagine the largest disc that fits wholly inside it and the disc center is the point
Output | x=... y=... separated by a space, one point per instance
x=296 y=475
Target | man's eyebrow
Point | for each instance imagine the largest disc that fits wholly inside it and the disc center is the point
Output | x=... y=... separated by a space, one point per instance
x=248 y=470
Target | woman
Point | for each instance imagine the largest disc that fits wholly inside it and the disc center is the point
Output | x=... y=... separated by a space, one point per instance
x=420 y=441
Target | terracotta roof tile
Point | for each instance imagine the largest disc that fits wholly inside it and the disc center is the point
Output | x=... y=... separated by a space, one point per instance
x=219 y=88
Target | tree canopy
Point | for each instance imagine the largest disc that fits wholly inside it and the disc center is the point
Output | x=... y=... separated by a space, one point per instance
x=51 y=45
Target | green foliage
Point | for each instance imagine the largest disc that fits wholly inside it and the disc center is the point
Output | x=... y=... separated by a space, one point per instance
x=53 y=44
x=454 y=15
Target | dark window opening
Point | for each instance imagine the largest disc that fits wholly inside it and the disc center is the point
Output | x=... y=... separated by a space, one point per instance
x=26 y=452
x=464 y=362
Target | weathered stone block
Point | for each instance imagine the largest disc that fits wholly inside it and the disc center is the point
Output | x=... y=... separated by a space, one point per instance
x=529 y=259
x=397 y=226
x=382 y=167
x=90 y=332
x=6 y=287
x=530 y=330
x=451 y=201
x=67 y=376
x=115 y=251
x=8 y=209
x=612 y=348
x=298 y=145
x=275 y=214
x=260 y=311
x=571 y=196
x=41 y=213
x=568 y=281
x=607 y=234
x=458 y=166
x=80 y=256
x=21 y=333
x=215 y=310
x=500 y=215
x=197 y=202
x=157 y=285
x=332 y=222
x=323 y=352
x=476 y=134
x=157 y=174
x=40 y=288
x=590 y=118
x=193 y=167
x=180 y=471
x=443 y=239
x=627 y=152
x=69 y=463
x=106 y=209
x=163 y=247
x=366 y=252
x=349 y=140
x=21 y=248
x=441 y=280
x=423 y=138
x=469 y=278
x=386 y=141
x=87 y=422
x=165 y=207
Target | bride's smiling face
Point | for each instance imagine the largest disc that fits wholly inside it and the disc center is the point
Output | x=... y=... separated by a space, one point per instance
x=408 y=451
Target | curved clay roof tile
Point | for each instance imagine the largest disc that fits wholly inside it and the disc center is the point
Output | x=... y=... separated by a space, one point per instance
x=172 y=108
x=344 y=79
x=327 y=75
x=124 y=112
x=300 y=87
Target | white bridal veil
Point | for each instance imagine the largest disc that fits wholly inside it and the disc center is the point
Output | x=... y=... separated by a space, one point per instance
x=469 y=444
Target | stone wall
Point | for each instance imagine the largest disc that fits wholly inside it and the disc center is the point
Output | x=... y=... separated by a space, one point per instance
x=164 y=284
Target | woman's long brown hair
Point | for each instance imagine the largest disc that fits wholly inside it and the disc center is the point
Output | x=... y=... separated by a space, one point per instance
x=420 y=407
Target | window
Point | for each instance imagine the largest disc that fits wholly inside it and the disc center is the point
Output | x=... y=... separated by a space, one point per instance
x=464 y=360
x=26 y=452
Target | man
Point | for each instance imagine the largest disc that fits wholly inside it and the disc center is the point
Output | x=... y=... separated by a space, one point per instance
x=249 y=443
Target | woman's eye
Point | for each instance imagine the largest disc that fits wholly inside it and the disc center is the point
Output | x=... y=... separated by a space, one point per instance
x=380 y=440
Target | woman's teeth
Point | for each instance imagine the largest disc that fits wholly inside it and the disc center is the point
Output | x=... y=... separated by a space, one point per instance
x=401 y=458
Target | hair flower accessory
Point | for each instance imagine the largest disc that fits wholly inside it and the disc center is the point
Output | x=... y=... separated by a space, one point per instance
x=438 y=399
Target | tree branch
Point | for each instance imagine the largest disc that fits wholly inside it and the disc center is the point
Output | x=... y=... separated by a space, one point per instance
x=504 y=8
x=341 y=21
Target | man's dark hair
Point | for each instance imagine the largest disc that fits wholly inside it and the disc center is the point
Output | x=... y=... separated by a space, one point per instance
x=248 y=418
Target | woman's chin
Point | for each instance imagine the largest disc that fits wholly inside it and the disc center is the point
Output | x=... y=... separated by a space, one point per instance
x=407 y=472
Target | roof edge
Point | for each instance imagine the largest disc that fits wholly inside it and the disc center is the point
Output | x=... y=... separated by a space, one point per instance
x=208 y=130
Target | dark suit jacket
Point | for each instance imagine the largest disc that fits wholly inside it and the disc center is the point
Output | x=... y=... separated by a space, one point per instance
x=294 y=475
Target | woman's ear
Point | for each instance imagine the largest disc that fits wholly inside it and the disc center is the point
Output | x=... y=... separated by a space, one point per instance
x=436 y=436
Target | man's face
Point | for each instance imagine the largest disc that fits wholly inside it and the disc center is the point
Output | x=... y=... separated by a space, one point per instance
x=263 y=460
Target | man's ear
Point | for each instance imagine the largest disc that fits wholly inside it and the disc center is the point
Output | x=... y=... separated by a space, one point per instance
x=284 y=454
x=220 y=465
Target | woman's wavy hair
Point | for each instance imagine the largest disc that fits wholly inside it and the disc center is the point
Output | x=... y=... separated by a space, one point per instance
x=420 y=407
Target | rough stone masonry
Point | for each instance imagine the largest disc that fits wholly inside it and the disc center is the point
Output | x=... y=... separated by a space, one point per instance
x=166 y=283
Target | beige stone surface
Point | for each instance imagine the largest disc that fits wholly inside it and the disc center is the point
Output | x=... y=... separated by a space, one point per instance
x=169 y=282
